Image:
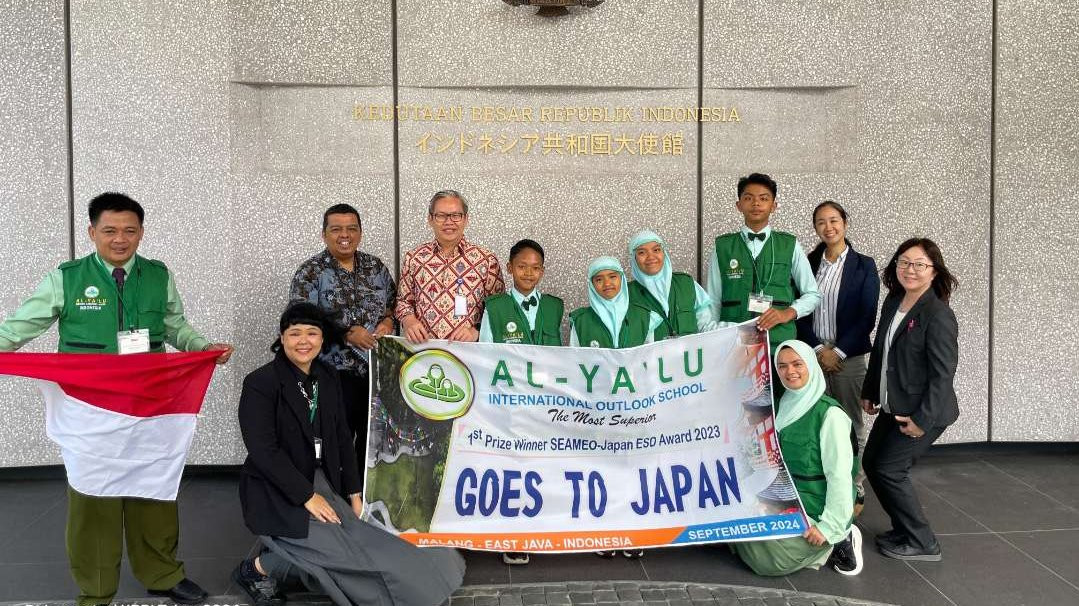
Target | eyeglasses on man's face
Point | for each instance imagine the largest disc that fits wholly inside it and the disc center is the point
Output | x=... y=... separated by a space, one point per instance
x=443 y=217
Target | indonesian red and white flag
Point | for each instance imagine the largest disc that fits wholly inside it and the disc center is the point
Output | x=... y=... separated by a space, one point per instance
x=123 y=423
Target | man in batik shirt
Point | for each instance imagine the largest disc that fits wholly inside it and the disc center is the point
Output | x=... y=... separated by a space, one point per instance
x=444 y=282
x=358 y=290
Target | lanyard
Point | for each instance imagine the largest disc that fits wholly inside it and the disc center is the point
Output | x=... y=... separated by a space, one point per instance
x=312 y=400
x=771 y=263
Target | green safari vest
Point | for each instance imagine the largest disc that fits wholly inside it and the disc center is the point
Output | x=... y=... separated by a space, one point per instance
x=800 y=443
x=682 y=303
x=90 y=317
x=592 y=332
x=772 y=273
x=509 y=324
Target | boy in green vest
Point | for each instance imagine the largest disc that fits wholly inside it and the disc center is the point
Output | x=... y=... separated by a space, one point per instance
x=523 y=315
x=755 y=272
x=115 y=301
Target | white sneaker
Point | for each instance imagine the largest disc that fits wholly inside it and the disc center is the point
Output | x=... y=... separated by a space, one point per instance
x=847 y=555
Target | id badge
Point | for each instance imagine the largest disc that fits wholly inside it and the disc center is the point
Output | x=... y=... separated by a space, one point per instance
x=460 y=306
x=759 y=303
x=133 y=341
x=318 y=449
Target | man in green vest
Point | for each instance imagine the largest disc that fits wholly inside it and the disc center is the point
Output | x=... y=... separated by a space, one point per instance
x=114 y=301
x=757 y=271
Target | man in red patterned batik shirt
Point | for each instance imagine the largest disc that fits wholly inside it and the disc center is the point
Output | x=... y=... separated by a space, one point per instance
x=444 y=283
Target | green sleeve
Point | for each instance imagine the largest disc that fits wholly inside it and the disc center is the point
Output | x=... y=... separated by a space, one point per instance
x=36 y=314
x=703 y=308
x=838 y=459
x=178 y=332
x=654 y=322
x=485 y=328
x=805 y=281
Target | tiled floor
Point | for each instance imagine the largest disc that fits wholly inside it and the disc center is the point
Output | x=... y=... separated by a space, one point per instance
x=1007 y=517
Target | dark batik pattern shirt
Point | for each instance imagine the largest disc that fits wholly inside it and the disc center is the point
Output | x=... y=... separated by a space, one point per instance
x=361 y=297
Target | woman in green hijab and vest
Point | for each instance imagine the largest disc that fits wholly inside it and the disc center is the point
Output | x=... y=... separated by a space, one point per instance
x=682 y=305
x=816 y=440
x=610 y=320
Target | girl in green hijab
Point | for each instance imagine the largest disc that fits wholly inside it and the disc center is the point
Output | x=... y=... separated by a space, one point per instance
x=610 y=320
x=816 y=440
x=683 y=307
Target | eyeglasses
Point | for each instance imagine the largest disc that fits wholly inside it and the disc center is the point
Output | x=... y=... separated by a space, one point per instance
x=918 y=266
x=443 y=217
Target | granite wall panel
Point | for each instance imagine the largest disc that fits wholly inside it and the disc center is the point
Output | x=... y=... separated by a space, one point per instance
x=638 y=44
x=577 y=205
x=1035 y=292
x=33 y=154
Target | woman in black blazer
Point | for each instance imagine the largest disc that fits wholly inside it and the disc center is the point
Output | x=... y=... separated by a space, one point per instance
x=910 y=382
x=300 y=468
x=838 y=330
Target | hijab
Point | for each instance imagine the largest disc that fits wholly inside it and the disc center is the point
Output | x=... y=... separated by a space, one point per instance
x=796 y=402
x=659 y=285
x=612 y=312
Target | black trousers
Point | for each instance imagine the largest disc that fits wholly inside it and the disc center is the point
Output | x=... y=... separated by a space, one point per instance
x=889 y=455
x=356 y=393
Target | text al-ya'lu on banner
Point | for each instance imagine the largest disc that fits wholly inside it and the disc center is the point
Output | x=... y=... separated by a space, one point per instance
x=528 y=448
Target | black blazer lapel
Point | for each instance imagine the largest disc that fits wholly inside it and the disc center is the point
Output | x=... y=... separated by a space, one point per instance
x=914 y=315
x=292 y=395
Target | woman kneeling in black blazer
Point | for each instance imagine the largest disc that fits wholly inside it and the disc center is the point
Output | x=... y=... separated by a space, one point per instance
x=300 y=468
x=910 y=377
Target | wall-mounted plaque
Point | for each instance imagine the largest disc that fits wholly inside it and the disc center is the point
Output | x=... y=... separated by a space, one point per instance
x=554 y=8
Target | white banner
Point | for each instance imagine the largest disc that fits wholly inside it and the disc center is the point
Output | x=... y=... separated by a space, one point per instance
x=528 y=448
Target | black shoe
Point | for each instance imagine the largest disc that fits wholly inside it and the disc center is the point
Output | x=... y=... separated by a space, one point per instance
x=890 y=538
x=185 y=592
x=263 y=590
x=906 y=551
x=846 y=556
x=633 y=554
x=605 y=554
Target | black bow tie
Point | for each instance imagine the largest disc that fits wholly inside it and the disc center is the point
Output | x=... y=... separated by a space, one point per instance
x=752 y=236
x=529 y=302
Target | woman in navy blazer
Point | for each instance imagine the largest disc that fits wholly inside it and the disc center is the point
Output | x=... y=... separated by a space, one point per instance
x=838 y=330
x=911 y=383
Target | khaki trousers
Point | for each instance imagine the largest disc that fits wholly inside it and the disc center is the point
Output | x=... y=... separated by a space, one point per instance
x=96 y=529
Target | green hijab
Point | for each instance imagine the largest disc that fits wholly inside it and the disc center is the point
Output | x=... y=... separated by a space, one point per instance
x=658 y=285
x=613 y=312
x=797 y=402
